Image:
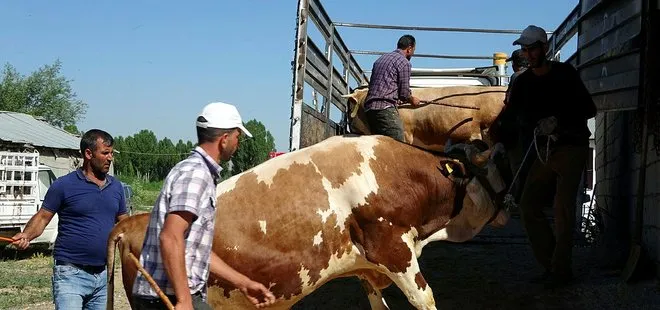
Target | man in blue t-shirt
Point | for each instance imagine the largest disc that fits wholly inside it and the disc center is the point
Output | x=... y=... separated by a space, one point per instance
x=88 y=203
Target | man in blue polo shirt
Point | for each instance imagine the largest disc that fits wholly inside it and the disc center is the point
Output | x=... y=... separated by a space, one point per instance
x=88 y=203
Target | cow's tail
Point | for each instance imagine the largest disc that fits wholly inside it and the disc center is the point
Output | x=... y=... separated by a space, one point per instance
x=115 y=236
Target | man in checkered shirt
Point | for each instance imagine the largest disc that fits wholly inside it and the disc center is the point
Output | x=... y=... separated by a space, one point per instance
x=177 y=247
x=388 y=86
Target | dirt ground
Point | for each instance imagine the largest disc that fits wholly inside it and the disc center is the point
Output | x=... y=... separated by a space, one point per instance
x=490 y=272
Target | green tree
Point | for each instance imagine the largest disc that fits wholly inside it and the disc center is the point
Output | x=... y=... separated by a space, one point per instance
x=252 y=151
x=165 y=162
x=45 y=93
x=73 y=129
x=144 y=144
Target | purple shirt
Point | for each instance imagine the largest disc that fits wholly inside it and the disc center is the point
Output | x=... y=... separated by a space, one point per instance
x=390 y=81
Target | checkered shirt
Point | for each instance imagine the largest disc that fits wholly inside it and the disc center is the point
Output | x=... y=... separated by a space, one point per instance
x=389 y=82
x=190 y=186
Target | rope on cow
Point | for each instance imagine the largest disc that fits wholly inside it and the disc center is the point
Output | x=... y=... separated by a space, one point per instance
x=449 y=105
x=547 y=146
x=509 y=201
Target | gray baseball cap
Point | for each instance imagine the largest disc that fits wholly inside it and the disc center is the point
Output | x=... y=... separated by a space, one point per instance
x=531 y=35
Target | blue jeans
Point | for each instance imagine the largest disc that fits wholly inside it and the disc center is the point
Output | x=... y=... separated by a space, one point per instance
x=75 y=288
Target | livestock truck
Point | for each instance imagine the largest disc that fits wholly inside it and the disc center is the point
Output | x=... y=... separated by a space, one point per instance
x=325 y=68
x=23 y=186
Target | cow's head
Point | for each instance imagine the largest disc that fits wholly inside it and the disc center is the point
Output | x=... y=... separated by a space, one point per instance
x=476 y=171
x=357 y=119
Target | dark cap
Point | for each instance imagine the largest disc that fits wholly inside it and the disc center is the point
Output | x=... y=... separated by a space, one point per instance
x=517 y=58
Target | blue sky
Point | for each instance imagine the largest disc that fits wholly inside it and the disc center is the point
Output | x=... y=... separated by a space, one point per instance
x=154 y=64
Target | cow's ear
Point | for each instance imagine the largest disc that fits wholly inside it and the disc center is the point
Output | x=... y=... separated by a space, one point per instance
x=452 y=167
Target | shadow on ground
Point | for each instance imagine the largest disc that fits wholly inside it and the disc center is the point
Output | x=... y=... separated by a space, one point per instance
x=492 y=272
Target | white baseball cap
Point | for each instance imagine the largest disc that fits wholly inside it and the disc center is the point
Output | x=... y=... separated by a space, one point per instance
x=531 y=35
x=222 y=115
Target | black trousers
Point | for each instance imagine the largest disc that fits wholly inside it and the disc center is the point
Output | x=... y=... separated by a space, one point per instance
x=149 y=303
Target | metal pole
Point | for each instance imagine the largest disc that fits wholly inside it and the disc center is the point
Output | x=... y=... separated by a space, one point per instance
x=298 y=75
x=329 y=50
x=499 y=60
x=419 y=28
x=425 y=55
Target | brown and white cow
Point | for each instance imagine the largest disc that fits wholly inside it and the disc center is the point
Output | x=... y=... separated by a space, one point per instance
x=462 y=113
x=360 y=206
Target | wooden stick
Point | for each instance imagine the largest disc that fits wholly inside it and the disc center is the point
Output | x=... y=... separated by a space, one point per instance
x=151 y=281
x=10 y=240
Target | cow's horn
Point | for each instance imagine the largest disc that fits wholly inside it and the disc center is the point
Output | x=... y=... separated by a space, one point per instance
x=480 y=159
x=448 y=145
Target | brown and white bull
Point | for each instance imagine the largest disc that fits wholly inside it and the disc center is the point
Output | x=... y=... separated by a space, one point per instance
x=360 y=206
x=462 y=113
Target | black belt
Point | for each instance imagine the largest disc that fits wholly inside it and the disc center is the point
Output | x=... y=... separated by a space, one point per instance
x=152 y=301
x=86 y=268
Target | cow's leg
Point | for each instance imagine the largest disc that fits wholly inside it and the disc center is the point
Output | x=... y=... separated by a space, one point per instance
x=408 y=137
x=410 y=281
x=372 y=282
x=375 y=296
x=394 y=250
x=414 y=286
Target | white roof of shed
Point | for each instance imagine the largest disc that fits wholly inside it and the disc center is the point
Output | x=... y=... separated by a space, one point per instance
x=24 y=128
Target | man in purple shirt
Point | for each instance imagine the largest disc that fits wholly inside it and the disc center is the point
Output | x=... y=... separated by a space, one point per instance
x=389 y=86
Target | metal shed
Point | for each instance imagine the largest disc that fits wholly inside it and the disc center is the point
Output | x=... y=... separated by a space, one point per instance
x=57 y=148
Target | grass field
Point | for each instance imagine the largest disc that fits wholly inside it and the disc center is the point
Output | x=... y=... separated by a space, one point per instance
x=25 y=277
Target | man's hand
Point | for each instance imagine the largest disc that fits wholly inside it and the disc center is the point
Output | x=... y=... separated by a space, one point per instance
x=34 y=228
x=547 y=126
x=186 y=305
x=414 y=101
x=257 y=294
x=21 y=241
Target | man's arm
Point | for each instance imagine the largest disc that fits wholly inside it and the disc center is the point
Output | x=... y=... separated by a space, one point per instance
x=34 y=228
x=36 y=225
x=505 y=125
x=172 y=235
x=403 y=84
x=256 y=292
x=578 y=107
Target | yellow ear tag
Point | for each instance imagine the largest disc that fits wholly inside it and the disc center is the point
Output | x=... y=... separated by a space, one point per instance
x=449 y=168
